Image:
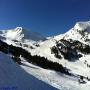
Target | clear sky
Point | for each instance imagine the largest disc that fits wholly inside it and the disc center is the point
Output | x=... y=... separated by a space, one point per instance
x=48 y=17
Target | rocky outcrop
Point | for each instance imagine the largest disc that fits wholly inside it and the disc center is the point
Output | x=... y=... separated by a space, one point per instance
x=70 y=49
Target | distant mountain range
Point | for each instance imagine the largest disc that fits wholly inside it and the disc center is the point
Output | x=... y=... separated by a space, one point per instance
x=20 y=33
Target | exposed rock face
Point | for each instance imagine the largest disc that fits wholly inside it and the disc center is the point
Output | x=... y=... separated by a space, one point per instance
x=69 y=49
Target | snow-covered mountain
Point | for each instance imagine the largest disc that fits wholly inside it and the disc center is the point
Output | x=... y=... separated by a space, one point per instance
x=61 y=61
x=19 y=34
x=80 y=32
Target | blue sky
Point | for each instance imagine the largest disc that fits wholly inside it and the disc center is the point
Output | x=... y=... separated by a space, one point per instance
x=48 y=17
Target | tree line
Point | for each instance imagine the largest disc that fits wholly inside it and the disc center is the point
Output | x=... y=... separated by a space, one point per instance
x=36 y=60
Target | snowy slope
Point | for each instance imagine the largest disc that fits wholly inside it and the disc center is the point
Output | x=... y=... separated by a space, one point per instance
x=75 y=44
x=80 y=32
x=56 y=79
x=13 y=77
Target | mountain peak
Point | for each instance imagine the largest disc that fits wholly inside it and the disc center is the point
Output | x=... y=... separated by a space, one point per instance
x=13 y=34
x=20 y=33
x=82 y=26
x=80 y=32
x=19 y=28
